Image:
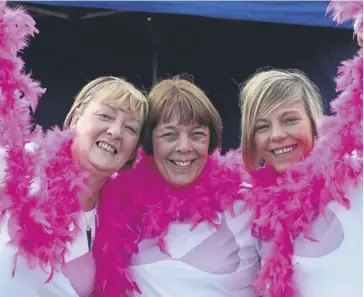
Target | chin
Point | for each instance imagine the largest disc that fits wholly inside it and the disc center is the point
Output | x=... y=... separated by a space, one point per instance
x=181 y=183
x=283 y=167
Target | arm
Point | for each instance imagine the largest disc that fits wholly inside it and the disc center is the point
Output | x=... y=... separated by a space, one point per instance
x=240 y=226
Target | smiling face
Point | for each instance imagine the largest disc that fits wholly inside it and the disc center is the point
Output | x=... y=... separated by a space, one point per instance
x=180 y=151
x=284 y=135
x=106 y=137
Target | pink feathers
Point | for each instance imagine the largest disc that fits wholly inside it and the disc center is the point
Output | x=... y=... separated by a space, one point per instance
x=42 y=220
x=287 y=205
x=140 y=204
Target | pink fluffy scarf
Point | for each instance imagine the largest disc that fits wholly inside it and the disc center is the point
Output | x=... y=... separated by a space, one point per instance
x=285 y=207
x=141 y=204
x=43 y=223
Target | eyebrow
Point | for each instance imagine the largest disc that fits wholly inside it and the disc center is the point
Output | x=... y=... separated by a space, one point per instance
x=131 y=118
x=289 y=111
x=168 y=127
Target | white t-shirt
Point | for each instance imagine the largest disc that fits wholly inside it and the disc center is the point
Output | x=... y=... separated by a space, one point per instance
x=205 y=262
x=332 y=266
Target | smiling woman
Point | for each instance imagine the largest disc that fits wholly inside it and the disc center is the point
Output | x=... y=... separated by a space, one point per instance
x=193 y=235
x=308 y=220
x=108 y=117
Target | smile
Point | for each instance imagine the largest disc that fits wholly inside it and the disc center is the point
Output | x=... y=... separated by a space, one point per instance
x=106 y=147
x=285 y=150
x=181 y=163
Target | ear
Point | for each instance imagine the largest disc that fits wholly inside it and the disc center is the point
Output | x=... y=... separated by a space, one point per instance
x=75 y=118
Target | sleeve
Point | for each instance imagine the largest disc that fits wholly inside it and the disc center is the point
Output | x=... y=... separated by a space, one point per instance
x=29 y=282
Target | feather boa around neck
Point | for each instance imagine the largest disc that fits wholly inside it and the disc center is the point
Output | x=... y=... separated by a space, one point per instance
x=143 y=193
x=286 y=205
x=43 y=222
x=285 y=208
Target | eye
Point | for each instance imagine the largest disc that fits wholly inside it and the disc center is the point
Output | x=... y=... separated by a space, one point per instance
x=168 y=135
x=291 y=120
x=131 y=129
x=198 y=135
x=104 y=116
x=261 y=127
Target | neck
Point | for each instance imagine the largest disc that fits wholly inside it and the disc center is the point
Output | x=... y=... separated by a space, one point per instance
x=89 y=202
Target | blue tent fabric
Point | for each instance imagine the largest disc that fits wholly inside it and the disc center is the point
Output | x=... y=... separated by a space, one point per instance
x=311 y=13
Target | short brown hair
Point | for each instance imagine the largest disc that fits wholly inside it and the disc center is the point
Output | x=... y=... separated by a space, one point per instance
x=181 y=96
x=268 y=90
x=110 y=90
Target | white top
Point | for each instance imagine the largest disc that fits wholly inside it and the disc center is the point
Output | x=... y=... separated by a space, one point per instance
x=337 y=269
x=204 y=262
x=75 y=279
x=332 y=266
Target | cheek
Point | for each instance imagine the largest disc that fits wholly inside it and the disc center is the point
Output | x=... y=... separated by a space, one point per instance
x=305 y=136
x=88 y=129
x=260 y=143
x=130 y=143
x=161 y=148
x=202 y=149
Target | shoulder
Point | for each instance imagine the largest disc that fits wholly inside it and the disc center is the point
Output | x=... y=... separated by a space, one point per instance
x=227 y=175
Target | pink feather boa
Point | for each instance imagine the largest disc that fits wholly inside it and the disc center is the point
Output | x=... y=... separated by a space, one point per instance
x=287 y=204
x=42 y=223
x=141 y=204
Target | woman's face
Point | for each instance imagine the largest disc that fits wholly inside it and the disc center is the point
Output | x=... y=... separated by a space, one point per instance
x=284 y=135
x=106 y=137
x=180 y=151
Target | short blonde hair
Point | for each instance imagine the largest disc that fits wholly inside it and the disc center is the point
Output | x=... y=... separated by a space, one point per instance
x=182 y=97
x=267 y=91
x=110 y=90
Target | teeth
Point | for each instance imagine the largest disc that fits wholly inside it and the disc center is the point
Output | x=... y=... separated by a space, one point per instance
x=283 y=151
x=106 y=147
x=182 y=164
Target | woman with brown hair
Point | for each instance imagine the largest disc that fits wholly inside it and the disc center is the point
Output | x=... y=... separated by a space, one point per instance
x=179 y=207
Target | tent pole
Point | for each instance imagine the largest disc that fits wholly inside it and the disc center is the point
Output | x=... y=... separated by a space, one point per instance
x=154 y=51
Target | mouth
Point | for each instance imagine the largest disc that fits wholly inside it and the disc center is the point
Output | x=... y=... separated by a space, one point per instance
x=107 y=147
x=182 y=164
x=284 y=150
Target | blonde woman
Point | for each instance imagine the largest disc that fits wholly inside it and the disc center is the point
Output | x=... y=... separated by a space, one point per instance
x=108 y=117
x=280 y=113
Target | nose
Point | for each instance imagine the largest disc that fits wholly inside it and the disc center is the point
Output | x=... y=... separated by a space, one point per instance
x=278 y=133
x=115 y=130
x=183 y=144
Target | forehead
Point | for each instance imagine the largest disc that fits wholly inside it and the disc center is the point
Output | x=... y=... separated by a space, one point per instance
x=96 y=105
x=174 y=121
x=293 y=106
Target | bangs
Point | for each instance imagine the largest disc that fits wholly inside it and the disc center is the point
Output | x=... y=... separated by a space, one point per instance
x=278 y=94
x=185 y=107
x=122 y=97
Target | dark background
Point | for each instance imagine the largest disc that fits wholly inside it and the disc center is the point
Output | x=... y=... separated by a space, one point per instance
x=217 y=54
